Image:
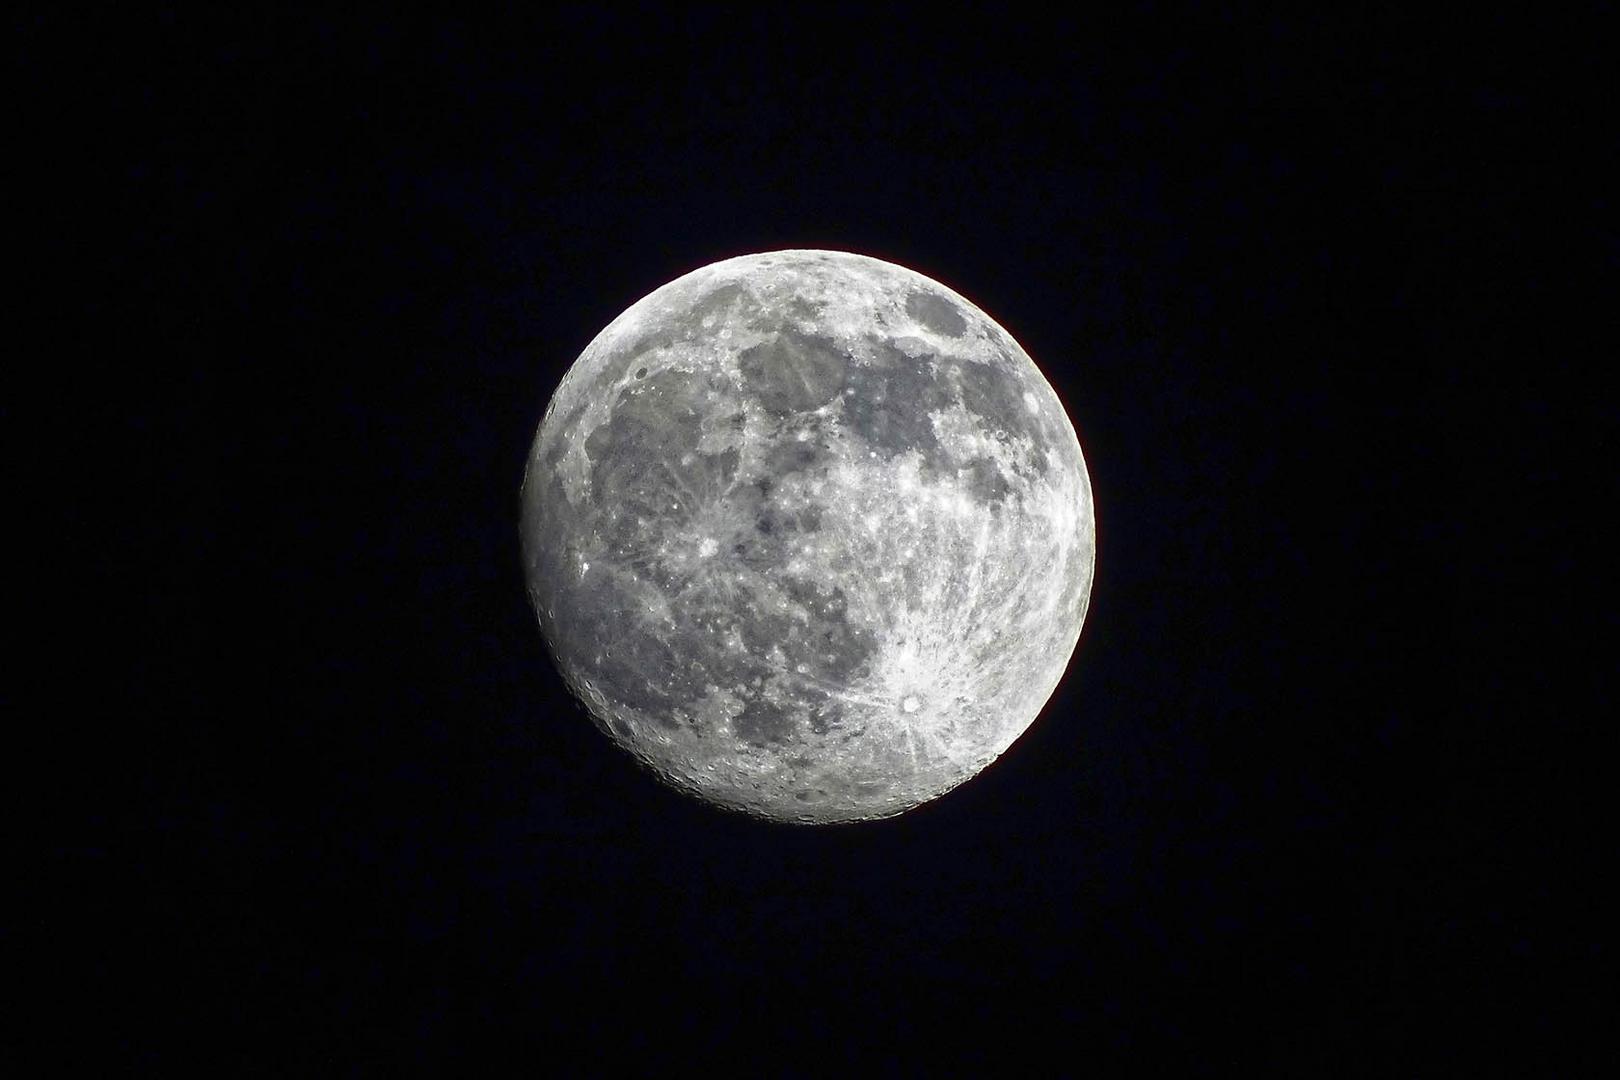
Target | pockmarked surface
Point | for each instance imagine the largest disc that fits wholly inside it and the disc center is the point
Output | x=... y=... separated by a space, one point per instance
x=809 y=535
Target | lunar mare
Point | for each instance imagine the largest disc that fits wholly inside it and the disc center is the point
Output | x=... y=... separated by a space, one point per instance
x=809 y=535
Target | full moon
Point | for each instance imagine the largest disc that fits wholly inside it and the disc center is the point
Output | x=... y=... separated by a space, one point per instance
x=808 y=534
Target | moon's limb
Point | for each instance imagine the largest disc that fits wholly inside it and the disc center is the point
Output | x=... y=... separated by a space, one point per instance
x=809 y=534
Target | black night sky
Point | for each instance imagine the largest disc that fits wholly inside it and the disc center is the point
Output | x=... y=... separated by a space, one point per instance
x=1269 y=264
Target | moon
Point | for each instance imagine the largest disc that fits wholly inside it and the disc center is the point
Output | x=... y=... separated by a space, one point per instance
x=809 y=535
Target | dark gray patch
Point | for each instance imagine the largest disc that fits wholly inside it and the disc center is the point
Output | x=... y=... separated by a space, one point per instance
x=985 y=480
x=826 y=717
x=823 y=710
x=816 y=636
x=660 y=336
x=817 y=597
x=791 y=456
x=829 y=647
x=802 y=308
x=700 y=633
x=761 y=723
x=778 y=521
x=646 y=468
x=936 y=313
x=757 y=549
x=997 y=398
x=660 y=414
x=712 y=304
x=559 y=445
x=605 y=645
x=686 y=328
x=888 y=403
x=794 y=372
x=649 y=480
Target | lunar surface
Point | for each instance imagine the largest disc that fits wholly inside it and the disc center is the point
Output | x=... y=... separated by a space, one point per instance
x=809 y=535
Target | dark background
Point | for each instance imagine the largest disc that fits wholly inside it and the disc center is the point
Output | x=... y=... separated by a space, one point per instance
x=1277 y=270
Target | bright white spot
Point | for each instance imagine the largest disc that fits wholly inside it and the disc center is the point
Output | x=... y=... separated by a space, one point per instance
x=708 y=547
x=1030 y=403
x=910 y=703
